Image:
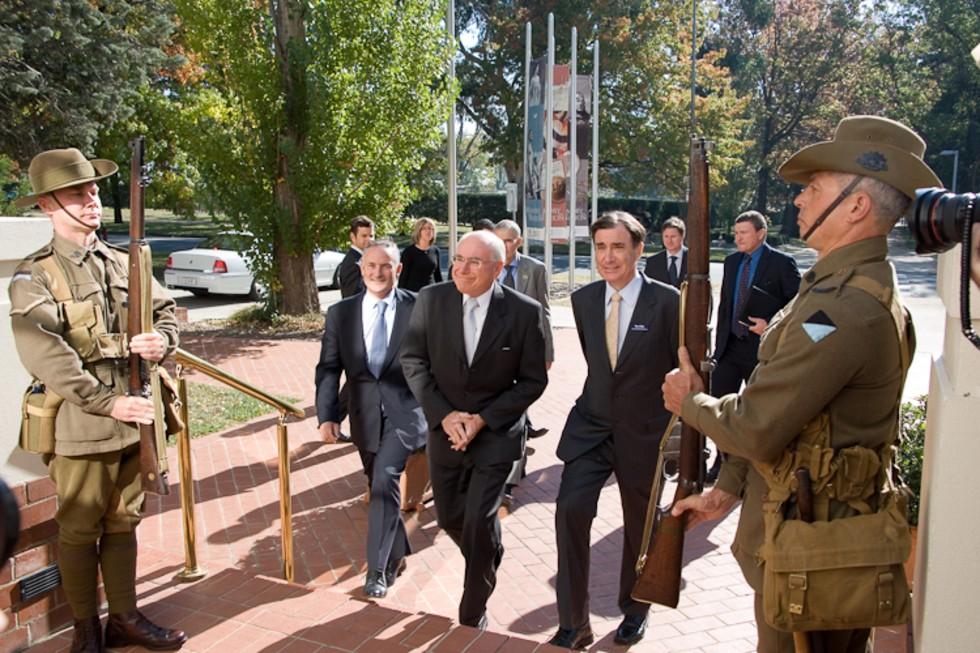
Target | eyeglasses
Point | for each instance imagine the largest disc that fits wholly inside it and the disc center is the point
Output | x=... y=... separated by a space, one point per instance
x=472 y=261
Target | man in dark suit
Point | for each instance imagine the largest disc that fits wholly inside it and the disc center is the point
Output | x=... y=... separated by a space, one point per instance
x=737 y=344
x=363 y=338
x=474 y=358
x=627 y=326
x=348 y=273
x=527 y=276
x=670 y=265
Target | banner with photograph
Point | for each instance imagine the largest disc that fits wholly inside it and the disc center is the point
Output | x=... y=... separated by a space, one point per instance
x=534 y=152
x=568 y=165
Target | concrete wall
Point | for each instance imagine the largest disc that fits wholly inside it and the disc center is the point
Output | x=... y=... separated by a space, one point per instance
x=947 y=573
x=18 y=238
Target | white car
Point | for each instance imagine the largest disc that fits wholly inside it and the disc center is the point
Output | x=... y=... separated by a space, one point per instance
x=216 y=266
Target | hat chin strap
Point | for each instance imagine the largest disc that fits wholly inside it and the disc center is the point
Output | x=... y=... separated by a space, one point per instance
x=67 y=212
x=833 y=205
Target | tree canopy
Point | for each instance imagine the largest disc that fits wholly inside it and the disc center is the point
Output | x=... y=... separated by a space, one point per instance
x=70 y=69
x=308 y=114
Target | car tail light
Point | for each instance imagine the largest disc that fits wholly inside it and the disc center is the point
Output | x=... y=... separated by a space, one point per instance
x=170 y=261
x=220 y=267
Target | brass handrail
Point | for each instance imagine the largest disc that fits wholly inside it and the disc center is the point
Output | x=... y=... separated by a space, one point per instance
x=184 y=359
x=188 y=359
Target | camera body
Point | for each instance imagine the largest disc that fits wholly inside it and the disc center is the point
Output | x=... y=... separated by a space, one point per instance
x=939 y=219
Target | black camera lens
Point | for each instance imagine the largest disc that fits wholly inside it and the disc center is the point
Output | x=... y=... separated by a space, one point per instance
x=936 y=218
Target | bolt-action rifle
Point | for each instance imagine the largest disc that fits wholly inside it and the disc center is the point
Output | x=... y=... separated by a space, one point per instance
x=659 y=565
x=139 y=314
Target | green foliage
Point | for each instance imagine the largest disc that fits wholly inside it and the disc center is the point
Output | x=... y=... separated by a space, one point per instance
x=797 y=60
x=12 y=185
x=911 y=447
x=645 y=84
x=364 y=98
x=71 y=68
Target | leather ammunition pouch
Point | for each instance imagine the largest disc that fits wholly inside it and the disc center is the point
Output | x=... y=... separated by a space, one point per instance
x=85 y=328
x=38 y=412
x=845 y=569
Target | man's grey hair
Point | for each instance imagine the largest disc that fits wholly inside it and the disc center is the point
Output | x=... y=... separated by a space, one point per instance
x=490 y=239
x=509 y=225
x=889 y=203
x=389 y=246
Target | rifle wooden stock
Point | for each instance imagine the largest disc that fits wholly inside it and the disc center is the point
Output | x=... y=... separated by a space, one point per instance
x=806 y=642
x=660 y=579
x=152 y=480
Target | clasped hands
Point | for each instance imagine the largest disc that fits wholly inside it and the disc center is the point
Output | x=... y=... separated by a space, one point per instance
x=461 y=428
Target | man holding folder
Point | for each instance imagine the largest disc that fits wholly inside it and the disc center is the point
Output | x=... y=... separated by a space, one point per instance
x=758 y=281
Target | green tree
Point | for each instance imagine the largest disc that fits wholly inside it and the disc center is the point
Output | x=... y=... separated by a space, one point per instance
x=794 y=59
x=644 y=84
x=71 y=68
x=310 y=113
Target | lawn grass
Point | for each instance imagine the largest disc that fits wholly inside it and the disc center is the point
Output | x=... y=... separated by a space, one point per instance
x=165 y=223
x=214 y=408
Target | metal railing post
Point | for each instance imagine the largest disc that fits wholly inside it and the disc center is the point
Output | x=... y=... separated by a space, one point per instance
x=191 y=570
x=285 y=499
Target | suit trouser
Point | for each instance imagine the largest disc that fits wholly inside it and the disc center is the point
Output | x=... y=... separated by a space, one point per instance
x=387 y=539
x=835 y=641
x=466 y=499
x=578 y=497
x=100 y=498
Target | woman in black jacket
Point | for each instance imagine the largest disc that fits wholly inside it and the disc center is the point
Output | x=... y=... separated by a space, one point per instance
x=420 y=260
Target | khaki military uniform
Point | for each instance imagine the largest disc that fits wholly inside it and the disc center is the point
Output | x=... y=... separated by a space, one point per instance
x=95 y=464
x=833 y=348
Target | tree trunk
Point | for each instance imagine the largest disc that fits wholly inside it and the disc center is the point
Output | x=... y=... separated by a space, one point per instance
x=293 y=253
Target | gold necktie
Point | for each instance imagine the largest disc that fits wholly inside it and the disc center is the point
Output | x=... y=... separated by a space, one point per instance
x=612 y=330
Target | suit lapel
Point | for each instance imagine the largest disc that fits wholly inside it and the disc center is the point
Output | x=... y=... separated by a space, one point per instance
x=643 y=314
x=398 y=329
x=494 y=325
x=595 y=330
x=358 y=350
x=523 y=275
x=760 y=269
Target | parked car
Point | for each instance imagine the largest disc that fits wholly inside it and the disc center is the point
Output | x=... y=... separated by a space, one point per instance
x=217 y=266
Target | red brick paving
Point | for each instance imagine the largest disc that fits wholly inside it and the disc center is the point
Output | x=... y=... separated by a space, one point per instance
x=244 y=606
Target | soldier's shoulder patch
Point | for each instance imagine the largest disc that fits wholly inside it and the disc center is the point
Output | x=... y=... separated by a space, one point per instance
x=818 y=326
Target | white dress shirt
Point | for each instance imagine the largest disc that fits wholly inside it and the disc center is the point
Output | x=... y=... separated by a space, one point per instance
x=482 y=306
x=630 y=294
x=369 y=316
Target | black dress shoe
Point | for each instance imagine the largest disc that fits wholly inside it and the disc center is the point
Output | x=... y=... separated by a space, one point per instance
x=536 y=433
x=479 y=624
x=133 y=629
x=631 y=629
x=375 y=585
x=87 y=637
x=573 y=638
x=393 y=570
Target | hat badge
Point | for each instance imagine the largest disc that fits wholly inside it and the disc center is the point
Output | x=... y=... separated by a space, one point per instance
x=873 y=161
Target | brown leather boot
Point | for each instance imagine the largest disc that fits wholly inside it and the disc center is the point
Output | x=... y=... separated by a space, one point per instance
x=133 y=629
x=88 y=636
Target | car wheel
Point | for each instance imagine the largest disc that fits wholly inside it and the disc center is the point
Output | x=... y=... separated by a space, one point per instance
x=199 y=292
x=336 y=278
x=253 y=292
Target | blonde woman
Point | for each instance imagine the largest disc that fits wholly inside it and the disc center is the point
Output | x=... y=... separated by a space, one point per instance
x=420 y=260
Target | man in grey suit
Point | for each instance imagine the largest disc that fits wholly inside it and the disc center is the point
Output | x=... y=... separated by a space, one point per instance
x=670 y=265
x=363 y=338
x=474 y=358
x=627 y=326
x=525 y=275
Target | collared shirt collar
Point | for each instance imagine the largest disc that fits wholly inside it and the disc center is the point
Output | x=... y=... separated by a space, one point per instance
x=77 y=253
x=482 y=300
x=507 y=268
x=370 y=301
x=630 y=292
x=848 y=256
